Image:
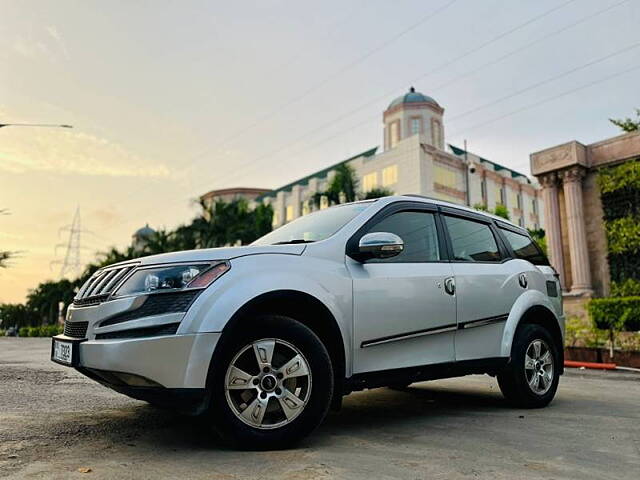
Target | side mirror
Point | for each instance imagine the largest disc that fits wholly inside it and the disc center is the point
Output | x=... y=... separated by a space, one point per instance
x=379 y=245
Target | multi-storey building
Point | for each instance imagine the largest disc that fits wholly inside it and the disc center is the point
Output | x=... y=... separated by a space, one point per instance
x=415 y=159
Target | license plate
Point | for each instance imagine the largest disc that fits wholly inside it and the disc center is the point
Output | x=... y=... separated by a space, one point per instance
x=63 y=352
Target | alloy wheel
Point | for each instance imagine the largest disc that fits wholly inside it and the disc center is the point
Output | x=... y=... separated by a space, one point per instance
x=538 y=366
x=268 y=383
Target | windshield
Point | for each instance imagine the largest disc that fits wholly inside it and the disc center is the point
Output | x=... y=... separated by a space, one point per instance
x=315 y=226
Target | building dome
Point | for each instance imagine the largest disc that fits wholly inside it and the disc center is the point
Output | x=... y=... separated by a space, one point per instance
x=412 y=97
x=144 y=232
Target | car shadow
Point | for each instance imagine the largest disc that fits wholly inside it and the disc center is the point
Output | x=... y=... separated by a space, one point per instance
x=372 y=412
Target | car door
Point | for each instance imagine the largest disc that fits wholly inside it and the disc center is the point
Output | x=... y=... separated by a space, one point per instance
x=402 y=315
x=486 y=284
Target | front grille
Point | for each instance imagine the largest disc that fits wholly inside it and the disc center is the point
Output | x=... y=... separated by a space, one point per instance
x=76 y=329
x=170 y=329
x=98 y=288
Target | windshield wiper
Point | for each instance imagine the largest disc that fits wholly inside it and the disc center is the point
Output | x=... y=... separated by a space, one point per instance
x=297 y=240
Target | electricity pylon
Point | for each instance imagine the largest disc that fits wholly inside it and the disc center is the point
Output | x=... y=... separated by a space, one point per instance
x=72 y=264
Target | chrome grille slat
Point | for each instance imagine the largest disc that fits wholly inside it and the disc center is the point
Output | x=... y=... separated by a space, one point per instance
x=103 y=281
x=96 y=282
x=116 y=278
x=101 y=284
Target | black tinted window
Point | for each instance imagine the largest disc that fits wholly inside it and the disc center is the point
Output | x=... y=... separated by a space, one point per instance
x=417 y=230
x=472 y=241
x=524 y=247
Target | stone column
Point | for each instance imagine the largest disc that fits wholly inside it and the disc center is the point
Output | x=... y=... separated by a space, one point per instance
x=549 y=184
x=580 y=270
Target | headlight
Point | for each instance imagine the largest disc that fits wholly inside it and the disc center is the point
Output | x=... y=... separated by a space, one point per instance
x=172 y=277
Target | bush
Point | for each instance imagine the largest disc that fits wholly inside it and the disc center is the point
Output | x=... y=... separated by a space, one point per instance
x=616 y=314
x=626 y=288
x=23 y=332
x=2 y=332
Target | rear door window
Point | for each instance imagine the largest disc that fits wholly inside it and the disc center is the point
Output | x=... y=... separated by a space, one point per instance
x=524 y=247
x=472 y=241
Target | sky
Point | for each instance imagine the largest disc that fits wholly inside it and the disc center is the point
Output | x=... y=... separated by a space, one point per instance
x=171 y=99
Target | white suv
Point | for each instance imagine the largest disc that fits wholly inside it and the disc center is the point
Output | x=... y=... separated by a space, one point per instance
x=265 y=338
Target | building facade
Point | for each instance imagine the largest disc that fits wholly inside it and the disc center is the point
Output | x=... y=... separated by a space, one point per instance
x=415 y=159
x=575 y=232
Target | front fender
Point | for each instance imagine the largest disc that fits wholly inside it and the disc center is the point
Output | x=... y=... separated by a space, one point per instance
x=529 y=299
x=252 y=276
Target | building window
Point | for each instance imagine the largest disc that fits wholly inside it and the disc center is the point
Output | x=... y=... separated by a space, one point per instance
x=416 y=126
x=276 y=219
x=483 y=190
x=445 y=176
x=306 y=208
x=503 y=196
x=389 y=175
x=519 y=199
x=370 y=181
x=289 y=216
x=324 y=202
x=436 y=133
x=521 y=221
x=534 y=206
x=395 y=134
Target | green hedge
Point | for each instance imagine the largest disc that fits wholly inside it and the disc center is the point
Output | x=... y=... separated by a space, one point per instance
x=43 y=331
x=620 y=195
x=619 y=314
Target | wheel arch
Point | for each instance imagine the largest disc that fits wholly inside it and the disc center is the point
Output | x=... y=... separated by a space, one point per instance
x=539 y=315
x=303 y=307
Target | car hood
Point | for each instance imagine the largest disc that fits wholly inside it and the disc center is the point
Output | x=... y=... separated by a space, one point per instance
x=225 y=253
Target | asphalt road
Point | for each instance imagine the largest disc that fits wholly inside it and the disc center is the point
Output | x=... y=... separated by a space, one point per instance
x=54 y=422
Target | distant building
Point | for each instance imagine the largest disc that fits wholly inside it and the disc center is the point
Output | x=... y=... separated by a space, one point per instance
x=575 y=230
x=415 y=159
x=230 y=194
x=141 y=236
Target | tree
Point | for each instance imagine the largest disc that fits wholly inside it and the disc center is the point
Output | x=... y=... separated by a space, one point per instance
x=377 y=193
x=538 y=236
x=344 y=182
x=627 y=124
x=4 y=255
x=45 y=300
x=17 y=315
x=500 y=210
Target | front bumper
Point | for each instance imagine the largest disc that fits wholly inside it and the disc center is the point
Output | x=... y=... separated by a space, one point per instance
x=173 y=362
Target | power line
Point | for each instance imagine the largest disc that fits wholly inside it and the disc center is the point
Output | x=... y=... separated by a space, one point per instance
x=465 y=54
x=597 y=13
x=326 y=80
x=546 y=80
x=387 y=94
x=547 y=100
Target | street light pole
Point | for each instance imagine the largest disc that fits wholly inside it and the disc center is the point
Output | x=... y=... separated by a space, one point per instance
x=34 y=125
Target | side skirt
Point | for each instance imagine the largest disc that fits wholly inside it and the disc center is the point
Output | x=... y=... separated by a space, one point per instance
x=383 y=378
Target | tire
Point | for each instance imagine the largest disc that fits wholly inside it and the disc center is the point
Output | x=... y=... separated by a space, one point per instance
x=295 y=404
x=525 y=386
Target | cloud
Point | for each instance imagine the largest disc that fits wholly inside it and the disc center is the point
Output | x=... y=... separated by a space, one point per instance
x=69 y=152
x=53 y=33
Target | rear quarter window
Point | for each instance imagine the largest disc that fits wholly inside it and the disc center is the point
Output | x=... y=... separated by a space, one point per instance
x=524 y=247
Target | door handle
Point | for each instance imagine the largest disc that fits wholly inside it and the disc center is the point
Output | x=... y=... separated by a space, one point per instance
x=450 y=285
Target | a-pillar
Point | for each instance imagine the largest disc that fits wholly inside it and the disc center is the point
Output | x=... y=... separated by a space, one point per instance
x=580 y=270
x=549 y=184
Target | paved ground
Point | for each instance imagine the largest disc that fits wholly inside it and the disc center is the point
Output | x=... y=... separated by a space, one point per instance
x=53 y=422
